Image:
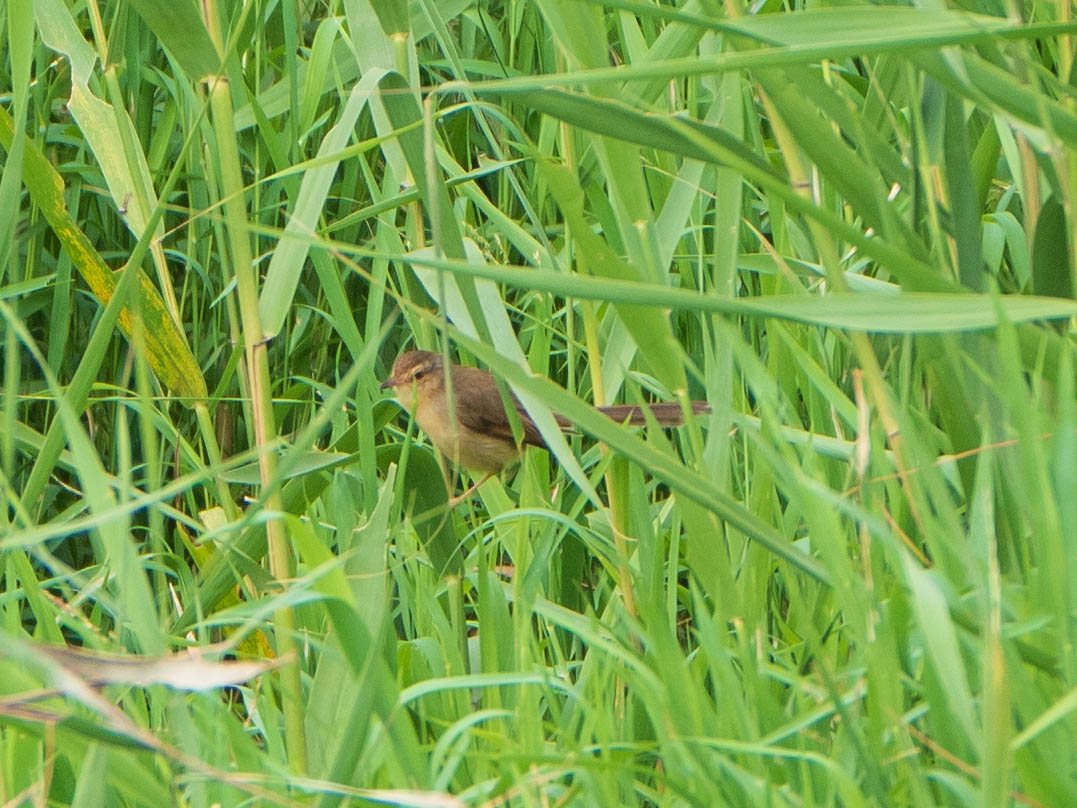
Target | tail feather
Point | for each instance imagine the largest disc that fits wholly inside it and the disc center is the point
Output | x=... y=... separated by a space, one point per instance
x=666 y=413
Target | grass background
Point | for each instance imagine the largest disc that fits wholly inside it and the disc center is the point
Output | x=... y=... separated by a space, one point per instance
x=848 y=227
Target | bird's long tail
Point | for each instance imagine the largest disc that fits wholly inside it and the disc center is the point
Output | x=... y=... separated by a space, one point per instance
x=666 y=413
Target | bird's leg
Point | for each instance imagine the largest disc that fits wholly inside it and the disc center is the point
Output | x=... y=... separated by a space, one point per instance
x=474 y=487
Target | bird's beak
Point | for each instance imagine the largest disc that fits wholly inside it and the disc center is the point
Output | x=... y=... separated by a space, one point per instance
x=390 y=382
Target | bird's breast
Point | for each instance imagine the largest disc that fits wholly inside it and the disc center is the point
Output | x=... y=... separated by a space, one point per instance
x=463 y=446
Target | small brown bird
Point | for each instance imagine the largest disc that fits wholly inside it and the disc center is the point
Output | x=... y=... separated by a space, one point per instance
x=479 y=437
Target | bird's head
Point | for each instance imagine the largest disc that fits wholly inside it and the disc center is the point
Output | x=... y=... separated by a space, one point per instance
x=415 y=373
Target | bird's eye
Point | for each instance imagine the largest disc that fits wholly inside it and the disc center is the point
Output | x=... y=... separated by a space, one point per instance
x=419 y=373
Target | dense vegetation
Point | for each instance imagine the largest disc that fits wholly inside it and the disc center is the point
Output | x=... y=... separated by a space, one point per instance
x=848 y=227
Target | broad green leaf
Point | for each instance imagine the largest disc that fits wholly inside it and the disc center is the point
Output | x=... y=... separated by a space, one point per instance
x=903 y=313
x=393 y=17
x=1052 y=267
x=180 y=28
x=276 y=297
x=130 y=185
x=166 y=348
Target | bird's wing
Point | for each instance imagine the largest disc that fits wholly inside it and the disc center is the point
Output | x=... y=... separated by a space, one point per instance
x=473 y=390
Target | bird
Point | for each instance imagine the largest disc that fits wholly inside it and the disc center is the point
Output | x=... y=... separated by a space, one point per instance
x=479 y=436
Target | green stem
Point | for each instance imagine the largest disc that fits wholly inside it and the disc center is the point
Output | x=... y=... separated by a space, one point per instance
x=261 y=408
